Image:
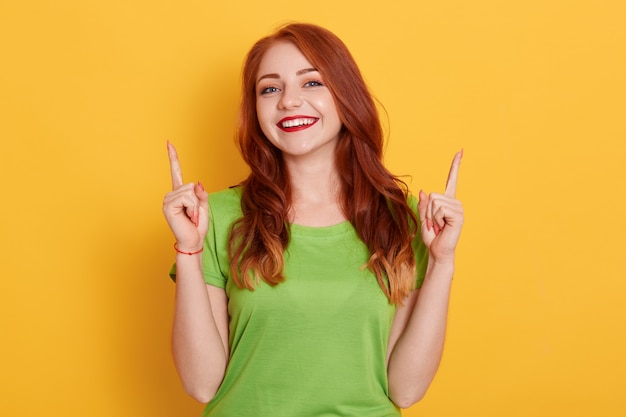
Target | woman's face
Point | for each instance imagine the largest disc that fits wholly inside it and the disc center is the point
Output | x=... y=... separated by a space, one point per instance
x=296 y=111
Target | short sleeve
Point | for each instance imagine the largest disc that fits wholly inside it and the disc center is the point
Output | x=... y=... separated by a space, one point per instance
x=420 y=250
x=225 y=210
x=210 y=262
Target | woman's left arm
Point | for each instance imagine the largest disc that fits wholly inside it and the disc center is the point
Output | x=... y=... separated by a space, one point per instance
x=419 y=327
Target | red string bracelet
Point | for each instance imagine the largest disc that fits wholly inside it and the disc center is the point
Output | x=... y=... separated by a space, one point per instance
x=186 y=253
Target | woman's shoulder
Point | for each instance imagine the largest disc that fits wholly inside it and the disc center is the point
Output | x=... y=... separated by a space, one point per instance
x=412 y=201
x=226 y=202
x=228 y=195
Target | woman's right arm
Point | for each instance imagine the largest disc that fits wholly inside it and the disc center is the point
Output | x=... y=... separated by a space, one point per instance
x=200 y=329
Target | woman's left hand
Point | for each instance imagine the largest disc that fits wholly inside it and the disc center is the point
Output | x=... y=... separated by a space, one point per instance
x=442 y=217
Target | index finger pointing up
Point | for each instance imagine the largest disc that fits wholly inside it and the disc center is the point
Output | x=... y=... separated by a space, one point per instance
x=177 y=173
x=453 y=176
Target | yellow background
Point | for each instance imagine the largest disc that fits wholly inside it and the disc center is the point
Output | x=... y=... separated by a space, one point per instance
x=534 y=91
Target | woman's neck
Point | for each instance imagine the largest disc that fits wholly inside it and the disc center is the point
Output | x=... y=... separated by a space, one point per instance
x=315 y=191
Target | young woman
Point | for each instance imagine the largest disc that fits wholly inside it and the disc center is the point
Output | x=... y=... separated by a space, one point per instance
x=318 y=286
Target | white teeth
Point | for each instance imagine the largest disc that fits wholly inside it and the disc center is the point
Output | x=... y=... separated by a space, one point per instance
x=297 y=122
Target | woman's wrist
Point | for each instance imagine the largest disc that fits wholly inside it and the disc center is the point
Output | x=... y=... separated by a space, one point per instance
x=187 y=251
x=443 y=267
x=447 y=260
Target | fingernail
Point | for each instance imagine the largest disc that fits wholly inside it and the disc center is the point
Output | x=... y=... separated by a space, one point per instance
x=201 y=186
x=436 y=229
x=428 y=225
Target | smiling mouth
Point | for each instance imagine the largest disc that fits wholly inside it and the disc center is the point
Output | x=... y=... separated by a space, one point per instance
x=292 y=124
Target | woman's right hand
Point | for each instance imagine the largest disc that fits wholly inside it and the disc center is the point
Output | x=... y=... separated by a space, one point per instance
x=186 y=208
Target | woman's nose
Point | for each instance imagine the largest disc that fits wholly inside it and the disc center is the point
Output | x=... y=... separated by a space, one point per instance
x=290 y=99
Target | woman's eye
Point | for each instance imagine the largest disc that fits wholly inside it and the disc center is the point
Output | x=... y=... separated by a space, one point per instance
x=313 y=83
x=268 y=90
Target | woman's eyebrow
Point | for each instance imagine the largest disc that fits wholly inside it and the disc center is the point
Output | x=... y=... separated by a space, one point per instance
x=304 y=71
x=274 y=75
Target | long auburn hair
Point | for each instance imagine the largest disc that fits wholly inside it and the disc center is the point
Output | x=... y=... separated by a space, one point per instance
x=372 y=199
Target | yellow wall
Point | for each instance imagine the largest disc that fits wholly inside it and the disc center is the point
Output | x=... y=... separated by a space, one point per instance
x=533 y=90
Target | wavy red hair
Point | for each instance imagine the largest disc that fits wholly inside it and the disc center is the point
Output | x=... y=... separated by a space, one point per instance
x=374 y=200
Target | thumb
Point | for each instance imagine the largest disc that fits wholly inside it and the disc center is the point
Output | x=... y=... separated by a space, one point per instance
x=203 y=202
x=203 y=196
x=422 y=207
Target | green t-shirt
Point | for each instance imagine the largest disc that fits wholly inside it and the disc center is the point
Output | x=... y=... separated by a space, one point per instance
x=314 y=345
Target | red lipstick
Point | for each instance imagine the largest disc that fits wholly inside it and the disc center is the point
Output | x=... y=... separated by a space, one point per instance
x=296 y=123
